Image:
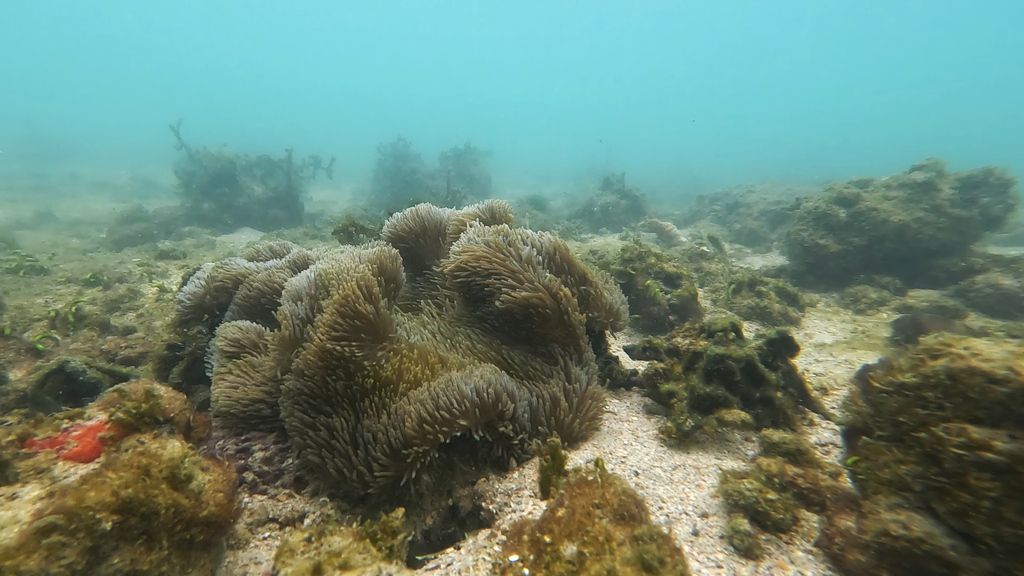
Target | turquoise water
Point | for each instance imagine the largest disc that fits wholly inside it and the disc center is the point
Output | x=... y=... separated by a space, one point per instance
x=682 y=96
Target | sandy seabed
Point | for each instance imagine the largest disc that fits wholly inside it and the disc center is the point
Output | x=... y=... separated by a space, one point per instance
x=679 y=484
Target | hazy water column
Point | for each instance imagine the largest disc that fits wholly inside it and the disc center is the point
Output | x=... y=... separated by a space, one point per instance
x=694 y=93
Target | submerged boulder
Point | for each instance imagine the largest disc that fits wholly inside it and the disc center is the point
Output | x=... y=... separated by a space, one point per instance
x=998 y=294
x=898 y=226
x=935 y=444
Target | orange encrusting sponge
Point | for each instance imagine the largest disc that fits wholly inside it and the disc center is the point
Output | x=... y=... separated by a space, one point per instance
x=80 y=443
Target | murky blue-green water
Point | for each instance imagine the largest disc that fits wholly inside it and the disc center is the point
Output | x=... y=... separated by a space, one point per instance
x=683 y=96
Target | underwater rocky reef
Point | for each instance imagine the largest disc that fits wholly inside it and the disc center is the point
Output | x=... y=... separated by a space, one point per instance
x=378 y=394
x=935 y=447
x=905 y=226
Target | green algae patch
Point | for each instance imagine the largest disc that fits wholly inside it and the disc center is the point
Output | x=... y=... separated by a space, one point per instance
x=551 y=467
x=710 y=376
x=742 y=537
x=661 y=291
x=376 y=547
x=935 y=447
x=596 y=524
x=784 y=479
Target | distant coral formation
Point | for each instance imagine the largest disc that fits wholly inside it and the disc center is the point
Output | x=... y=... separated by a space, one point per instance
x=455 y=341
x=935 y=445
x=899 y=226
x=224 y=191
x=402 y=179
x=613 y=206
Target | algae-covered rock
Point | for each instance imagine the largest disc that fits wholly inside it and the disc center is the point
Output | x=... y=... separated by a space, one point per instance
x=998 y=294
x=70 y=383
x=786 y=477
x=771 y=301
x=355 y=228
x=898 y=226
x=21 y=263
x=931 y=302
x=135 y=225
x=936 y=448
x=660 y=290
x=118 y=489
x=751 y=216
x=710 y=375
x=361 y=550
x=865 y=298
x=597 y=524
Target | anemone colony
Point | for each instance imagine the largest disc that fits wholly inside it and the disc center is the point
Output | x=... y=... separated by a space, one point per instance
x=457 y=339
